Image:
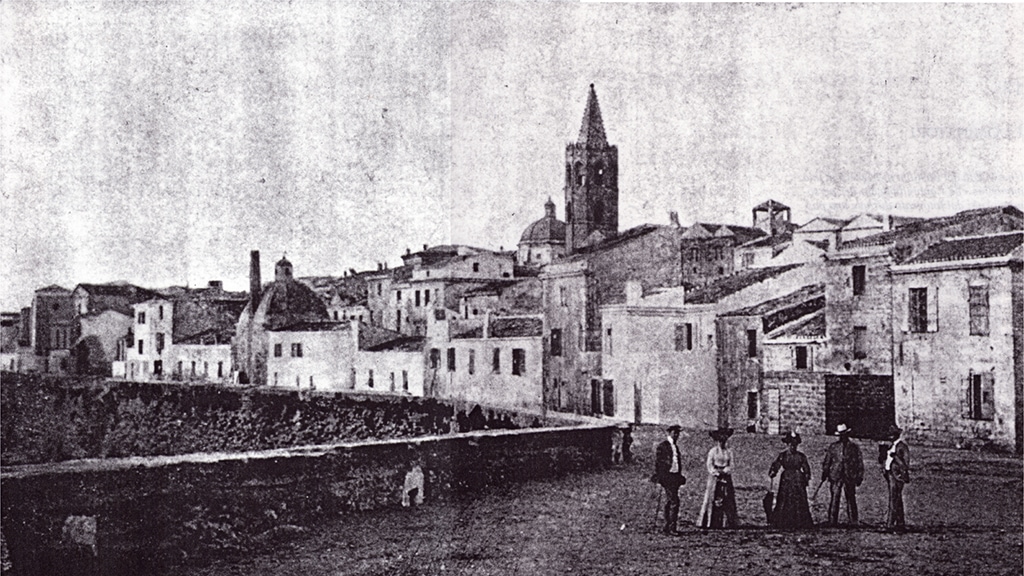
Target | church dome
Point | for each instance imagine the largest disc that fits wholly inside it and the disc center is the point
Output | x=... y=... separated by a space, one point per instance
x=547 y=230
x=287 y=302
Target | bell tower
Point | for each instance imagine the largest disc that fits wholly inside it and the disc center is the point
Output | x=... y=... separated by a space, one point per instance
x=591 y=182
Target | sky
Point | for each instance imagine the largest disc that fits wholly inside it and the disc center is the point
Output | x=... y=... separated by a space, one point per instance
x=159 y=142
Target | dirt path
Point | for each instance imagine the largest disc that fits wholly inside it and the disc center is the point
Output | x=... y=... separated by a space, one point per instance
x=965 y=510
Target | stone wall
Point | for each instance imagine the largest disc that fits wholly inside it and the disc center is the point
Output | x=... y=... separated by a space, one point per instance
x=801 y=401
x=145 y=515
x=863 y=402
x=46 y=419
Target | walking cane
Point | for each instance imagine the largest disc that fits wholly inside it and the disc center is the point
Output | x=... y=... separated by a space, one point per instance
x=657 y=507
x=815 y=497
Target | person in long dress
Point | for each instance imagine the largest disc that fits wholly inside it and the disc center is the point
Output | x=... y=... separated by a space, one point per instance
x=791 y=508
x=719 y=508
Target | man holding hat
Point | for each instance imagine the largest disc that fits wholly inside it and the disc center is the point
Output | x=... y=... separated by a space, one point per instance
x=668 y=472
x=844 y=469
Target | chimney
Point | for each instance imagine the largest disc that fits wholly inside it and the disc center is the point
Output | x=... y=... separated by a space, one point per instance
x=673 y=218
x=255 y=285
x=408 y=251
x=424 y=247
x=379 y=266
x=634 y=293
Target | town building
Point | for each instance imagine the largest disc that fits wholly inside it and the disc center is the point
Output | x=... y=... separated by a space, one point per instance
x=660 y=356
x=284 y=302
x=749 y=352
x=103 y=318
x=958 y=341
x=52 y=328
x=591 y=182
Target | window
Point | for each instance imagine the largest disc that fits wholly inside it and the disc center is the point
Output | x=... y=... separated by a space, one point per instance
x=923 y=310
x=417 y=298
x=980 y=397
x=684 y=337
x=206 y=368
x=800 y=358
x=978 y=303
x=142 y=317
x=220 y=369
x=159 y=342
x=451 y=359
x=563 y=295
x=335 y=315
x=518 y=361
x=161 y=312
x=752 y=405
x=556 y=341
x=860 y=342
x=380 y=289
x=405 y=380
x=472 y=361
x=277 y=350
x=608 y=395
x=748 y=259
x=426 y=297
x=476 y=266
x=917 y=309
x=178 y=371
x=751 y=343
x=398 y=320
x=141 y=346
x=158 y=367
x=859 y=274
x=193 y=367
x=275 y=378
x=435 y=358
x=496 y=361
x=392 y=381
x=398 y=295
x=296 y=349
x=608 y=334
x=369 y=379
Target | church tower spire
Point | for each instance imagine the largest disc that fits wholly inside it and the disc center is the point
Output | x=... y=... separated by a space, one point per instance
x=591 y=182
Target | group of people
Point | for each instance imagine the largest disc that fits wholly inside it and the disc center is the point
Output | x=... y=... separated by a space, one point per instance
x=842 y=468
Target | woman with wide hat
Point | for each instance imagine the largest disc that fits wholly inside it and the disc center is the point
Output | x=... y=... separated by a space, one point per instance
x=791 y=508
x=719 y=508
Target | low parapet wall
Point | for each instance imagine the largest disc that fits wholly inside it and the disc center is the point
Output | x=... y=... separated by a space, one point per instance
x=145 y=514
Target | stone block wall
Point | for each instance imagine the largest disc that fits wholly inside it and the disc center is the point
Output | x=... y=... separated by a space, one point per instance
x=47 y=419
x=145 y=515
x=801 y=400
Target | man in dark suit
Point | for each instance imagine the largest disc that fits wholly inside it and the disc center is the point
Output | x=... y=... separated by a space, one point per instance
x=668 y=472
x=843 y=467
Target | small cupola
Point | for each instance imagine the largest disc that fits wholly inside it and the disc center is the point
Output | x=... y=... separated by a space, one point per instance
x=283 y=270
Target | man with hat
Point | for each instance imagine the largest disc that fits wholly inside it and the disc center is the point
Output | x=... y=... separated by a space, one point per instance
x=668 y=472
x=844 y=469
x=896 y=469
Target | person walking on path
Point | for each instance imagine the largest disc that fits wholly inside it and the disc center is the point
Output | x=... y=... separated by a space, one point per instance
x=896 y=469
x=791 y=508
x=844 y=469
x=668 y=472
x=719 y=508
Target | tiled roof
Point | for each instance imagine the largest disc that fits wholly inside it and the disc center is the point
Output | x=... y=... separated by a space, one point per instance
x=769 y=241
x=492 y=287
x=727 y=285
x=804 y=294
x=618 y=239
x=971 y=248
x=306 y=326
x=126 y=290
x=403 y=344
x=930 y=225
x=771 y=205
x=515 y=327
x=810 y=326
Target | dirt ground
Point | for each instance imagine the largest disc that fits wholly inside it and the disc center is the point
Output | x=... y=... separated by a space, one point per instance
x=964 y=510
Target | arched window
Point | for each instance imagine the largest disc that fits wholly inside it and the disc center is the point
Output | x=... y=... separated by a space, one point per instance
x=579 y=174
x=598 y=176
